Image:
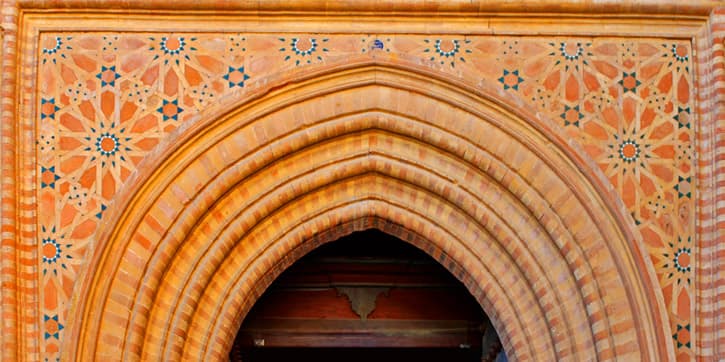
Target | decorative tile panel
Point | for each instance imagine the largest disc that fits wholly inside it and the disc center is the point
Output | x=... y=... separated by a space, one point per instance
x=105 y=100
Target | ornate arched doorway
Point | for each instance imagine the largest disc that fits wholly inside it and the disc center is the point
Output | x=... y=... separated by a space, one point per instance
x=491 y=191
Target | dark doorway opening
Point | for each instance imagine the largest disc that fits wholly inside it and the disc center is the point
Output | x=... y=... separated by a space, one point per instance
x=368 y=296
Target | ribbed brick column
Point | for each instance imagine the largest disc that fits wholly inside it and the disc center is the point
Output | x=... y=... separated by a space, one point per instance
x=711 y=176
x=8 y=277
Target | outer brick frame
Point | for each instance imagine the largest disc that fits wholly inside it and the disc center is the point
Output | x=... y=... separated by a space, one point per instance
x=23 y=21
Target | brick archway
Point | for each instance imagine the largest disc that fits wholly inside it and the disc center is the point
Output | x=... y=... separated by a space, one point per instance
x=490 y=190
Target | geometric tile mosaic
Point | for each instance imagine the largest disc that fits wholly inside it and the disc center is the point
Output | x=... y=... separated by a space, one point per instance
x=107 y=99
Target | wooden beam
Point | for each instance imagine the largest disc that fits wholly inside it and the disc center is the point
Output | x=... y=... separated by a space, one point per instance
x=265 y=333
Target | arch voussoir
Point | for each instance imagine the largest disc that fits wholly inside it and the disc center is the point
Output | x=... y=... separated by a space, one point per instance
x=372 y=206
x=370 y=160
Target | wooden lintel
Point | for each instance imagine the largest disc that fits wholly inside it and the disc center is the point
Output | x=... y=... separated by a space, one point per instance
x=361 y=333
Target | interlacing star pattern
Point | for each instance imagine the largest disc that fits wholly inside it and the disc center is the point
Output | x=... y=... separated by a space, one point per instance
x=105 y=100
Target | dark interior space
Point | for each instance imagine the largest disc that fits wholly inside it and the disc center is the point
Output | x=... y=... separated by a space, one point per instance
x=368 y=296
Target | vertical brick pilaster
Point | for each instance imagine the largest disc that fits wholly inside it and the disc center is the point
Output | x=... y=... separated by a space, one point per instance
x=719 y=178
x=10 y=335
x=26 y=205
x=709 y=329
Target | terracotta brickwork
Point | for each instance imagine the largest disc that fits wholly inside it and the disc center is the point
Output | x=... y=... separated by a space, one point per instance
x=710 y=226
x=158 y=174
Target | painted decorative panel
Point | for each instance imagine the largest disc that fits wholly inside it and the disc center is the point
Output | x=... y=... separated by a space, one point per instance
x=105 y=100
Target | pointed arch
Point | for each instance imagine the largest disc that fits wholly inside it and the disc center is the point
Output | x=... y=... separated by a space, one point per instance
x=491 y=190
